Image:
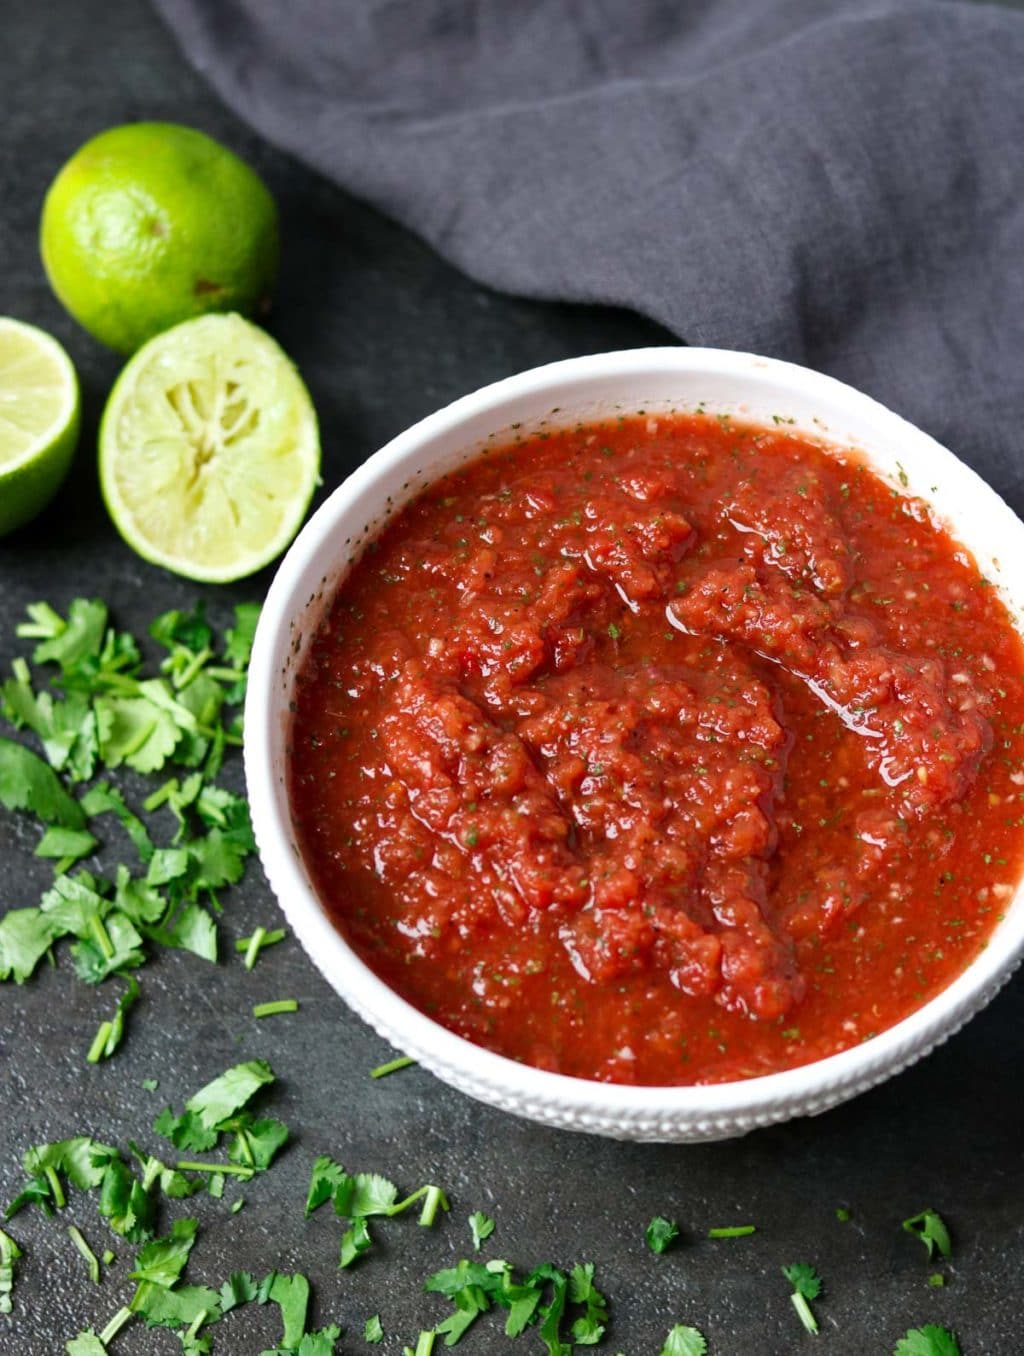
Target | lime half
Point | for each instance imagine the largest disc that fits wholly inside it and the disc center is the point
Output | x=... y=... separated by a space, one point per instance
x=39 y=418
x=209 y=449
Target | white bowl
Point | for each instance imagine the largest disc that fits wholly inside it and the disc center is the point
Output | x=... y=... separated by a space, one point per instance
x=740 y=384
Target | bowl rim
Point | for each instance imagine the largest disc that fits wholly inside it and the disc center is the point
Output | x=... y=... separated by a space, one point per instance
x=481 y=1072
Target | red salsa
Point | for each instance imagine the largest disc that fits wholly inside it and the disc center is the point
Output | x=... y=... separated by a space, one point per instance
x=663 y=750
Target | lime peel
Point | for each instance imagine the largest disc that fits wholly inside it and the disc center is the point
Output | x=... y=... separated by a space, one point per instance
x=40 y=415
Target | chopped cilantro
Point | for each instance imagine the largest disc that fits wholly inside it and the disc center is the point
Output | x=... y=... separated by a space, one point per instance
x=373 y=1330
x=930 y=1228
x=91 y=1260
x=684 y=1341
x=162 y=1261
x=110 y=1034
x=733 y=1231
x=661 y=1233
x=806 y=1285
x=930 y=1340
x=151 y=1084
x=252 y=946
x=481 y=1226
x=540 y=1298
x=105 y=710
x=392 y=1066
x=275 y=1008
x=9 y=1254
x=842 y=1214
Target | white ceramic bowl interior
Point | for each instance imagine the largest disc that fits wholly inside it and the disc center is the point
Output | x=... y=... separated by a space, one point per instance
x=752 y=388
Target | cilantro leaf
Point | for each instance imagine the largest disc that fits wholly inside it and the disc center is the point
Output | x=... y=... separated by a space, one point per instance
x=9 y=1254
x=25 y=937
x=930 y=1228
x=125 y=1204
x=239 y=1288
x=804 y=1279
x=319 y=1343
x=227 y=1094
x=684 y=1341
x=257 y=1142
x=66 y=844
x=661 y=1233
x=481 y=1226
x=104 y=799
x=86 y=1344
x=185 y=1131
x=162 y=1261
x=930 y=1340
x=180 y=1307
x=588 y=1329
x=135 y=731
x=67 y=643
x=190 y=929
x=355 y=1241
x=326 y=1177
x=806 y=1285
x=291 y=1295
x=113 y=945
x=27 y=783
x=373 y=1330
x=184 y=630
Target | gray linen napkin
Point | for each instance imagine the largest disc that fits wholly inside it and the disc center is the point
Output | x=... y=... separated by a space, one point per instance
x=834 y=182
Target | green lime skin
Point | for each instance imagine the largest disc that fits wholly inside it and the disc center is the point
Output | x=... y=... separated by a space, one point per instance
x=24 y=493
x=152 y=223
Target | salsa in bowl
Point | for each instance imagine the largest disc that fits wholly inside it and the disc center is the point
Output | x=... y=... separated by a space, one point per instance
x=646 y=759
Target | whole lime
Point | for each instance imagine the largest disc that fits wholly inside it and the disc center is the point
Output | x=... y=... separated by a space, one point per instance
x=152 y=223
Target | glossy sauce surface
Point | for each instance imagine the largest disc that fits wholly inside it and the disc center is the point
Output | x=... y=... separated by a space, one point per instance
x=664 y=750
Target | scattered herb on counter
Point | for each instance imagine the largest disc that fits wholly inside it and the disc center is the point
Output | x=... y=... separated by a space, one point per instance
x=373 y=1330
x=103 y=711
x=930 y=1340
x=392 y=1066
x=92 y=1262
x=262 y=937
x=733 y=1231
x=276 y=1008
x=661 y=1233
x=541 y=1298
x=9 y=1254
x=361 y=1196
x=481 y=1226
x=806 y=1285
x=684 y=1341
x=930 y=1228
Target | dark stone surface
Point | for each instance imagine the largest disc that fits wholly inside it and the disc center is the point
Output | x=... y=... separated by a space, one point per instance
x=384 y=333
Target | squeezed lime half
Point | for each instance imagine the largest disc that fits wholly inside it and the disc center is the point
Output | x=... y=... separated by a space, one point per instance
x=209 y=450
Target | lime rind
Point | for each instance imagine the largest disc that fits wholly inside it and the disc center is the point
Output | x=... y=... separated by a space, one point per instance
x=40 y=413
x=209 y=450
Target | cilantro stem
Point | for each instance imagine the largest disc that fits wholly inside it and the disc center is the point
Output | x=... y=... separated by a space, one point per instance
x=115 y=1325
x=733 y=1231
x=224 y=675
x=91 y=1260
x=192 y=668
x=392 y=1066
x=99 y=1044
x=194 y=1326
x=253 y=949
x=424 y=1344
x=245 y=1147
x=160 y=795
x=233 y=1169
x=273 y=1009
x=804 y=1311
x=102 y=936
x=270 y=937
x=434 y=1200
x=56 y=1190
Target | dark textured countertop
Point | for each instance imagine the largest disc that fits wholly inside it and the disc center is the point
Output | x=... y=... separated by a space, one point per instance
x=385 y=332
